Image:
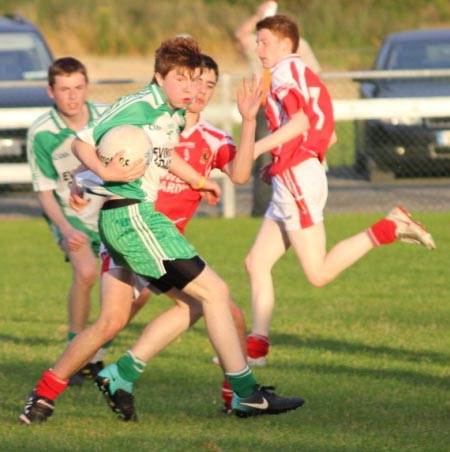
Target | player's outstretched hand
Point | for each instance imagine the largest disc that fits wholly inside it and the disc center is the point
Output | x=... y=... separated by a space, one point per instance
x=249 y=98
x=116 y=172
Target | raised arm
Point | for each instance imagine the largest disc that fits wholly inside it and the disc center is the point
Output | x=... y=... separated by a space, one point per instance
x=249 y=100
x=243 y=33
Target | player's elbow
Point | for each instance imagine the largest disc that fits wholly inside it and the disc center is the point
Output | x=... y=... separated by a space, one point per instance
x=333 y=139
x=240 y=179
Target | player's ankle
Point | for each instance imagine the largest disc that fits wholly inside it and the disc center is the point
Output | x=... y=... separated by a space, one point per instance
x=50 y=385
x=257 y=345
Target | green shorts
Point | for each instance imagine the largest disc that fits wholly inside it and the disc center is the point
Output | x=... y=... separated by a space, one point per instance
x=140 y=238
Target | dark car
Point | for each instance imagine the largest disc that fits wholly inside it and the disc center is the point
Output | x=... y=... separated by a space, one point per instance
x=406 y=146
x=24 y=61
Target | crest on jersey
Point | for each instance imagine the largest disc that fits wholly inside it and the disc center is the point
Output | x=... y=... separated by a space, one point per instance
x=206 y=153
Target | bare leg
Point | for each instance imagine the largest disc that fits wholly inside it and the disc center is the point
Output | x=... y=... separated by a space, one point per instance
x=139 y=302
x=115 y=310
x=271 y=243
x=167 y=326
x=214 y=302
x=84 y=276
x=213 y=293
x=239 y=322
x=319 y=266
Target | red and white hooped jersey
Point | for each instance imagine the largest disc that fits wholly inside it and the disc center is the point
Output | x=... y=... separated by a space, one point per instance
x=204 y=147
x=295 y=87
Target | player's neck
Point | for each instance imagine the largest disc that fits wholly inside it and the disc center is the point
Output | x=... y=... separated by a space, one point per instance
x=191 y=119
x=78 y=121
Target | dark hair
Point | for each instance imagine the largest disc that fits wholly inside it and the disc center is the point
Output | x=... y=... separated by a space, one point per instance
x=65 y=66
x=209 y=63
x=179 y=52
x=282 y=26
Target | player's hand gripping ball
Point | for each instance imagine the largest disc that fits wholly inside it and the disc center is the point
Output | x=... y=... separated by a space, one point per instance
x=131 y=139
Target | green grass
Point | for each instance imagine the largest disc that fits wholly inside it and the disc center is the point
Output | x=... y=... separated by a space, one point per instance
x=369 y=353
x=343 y=152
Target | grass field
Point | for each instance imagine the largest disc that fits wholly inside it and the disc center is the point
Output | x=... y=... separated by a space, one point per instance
x=370 y=353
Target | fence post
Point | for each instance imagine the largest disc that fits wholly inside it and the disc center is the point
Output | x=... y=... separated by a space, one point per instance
x=228 y=195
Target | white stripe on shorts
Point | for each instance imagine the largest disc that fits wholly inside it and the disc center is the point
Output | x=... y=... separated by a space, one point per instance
x=147 y=237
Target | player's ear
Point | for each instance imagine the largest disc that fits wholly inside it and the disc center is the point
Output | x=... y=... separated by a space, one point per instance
x=50 y=92
x=159 y=79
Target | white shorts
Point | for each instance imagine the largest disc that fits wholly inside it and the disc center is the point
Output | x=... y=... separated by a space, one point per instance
x=109 y=264
x=299 y=195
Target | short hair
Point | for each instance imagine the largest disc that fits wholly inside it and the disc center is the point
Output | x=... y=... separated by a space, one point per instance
x=209 y=63
x=179 y=52
x=282 y=26
x=66 y=66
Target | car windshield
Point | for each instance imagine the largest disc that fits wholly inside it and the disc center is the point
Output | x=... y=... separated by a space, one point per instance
x=23 y=56
x=420 y=55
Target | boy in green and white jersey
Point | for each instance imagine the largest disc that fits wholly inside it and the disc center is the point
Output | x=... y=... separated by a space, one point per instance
x=148 y=243
x=52 y=162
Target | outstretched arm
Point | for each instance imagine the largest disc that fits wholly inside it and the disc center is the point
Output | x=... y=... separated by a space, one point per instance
x=198 y=182
x=243 y=33
x=249 y=101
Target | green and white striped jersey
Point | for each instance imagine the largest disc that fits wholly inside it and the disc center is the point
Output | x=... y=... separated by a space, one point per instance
x=51 y=160
x=150 y=110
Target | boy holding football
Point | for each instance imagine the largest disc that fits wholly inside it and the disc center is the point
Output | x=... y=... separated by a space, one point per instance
x=149 y=244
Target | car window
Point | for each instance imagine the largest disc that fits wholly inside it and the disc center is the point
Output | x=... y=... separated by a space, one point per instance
x=419 y=55
x=23 y=56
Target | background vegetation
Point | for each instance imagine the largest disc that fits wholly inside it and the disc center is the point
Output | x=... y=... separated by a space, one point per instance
x=344 y=33
x=369 y=353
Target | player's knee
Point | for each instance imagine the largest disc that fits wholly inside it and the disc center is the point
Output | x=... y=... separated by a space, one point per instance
x=217 y=292
x=248 y=263
x=86 y=276
x=254 y=267
x=108 y=328
x=317 y=279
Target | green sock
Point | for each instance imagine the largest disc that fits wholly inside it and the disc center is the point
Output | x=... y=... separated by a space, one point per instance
x=70 y=336
x=242 y=383
x=130 y=368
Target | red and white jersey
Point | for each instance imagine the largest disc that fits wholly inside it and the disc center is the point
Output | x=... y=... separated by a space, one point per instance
x=204 y=147
x=295 y=87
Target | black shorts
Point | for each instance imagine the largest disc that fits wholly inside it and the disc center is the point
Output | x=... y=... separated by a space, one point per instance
x=179 y=273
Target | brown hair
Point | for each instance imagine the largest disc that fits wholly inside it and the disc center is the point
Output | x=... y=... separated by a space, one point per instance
x=65 y=66
x=282 y=26
x=209 y=63
x=179 y=52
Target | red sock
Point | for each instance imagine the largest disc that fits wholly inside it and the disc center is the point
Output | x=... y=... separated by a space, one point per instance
x=257 y=346
x=227 y=394
x=382 y=232
x=51 y=386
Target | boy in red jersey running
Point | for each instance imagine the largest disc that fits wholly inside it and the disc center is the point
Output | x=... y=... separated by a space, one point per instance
x=301 y=124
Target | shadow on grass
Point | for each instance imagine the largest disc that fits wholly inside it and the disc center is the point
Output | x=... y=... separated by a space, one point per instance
x=353 y=348
x=342 y=346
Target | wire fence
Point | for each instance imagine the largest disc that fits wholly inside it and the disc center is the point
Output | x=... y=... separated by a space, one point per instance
x=390 y=150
